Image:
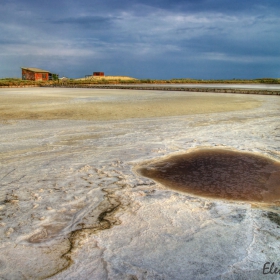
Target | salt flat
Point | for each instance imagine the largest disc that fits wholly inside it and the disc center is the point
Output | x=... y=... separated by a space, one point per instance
x=73 y=207
x=102 y=104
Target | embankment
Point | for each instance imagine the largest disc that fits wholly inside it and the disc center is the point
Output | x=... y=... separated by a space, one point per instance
x=166 y=88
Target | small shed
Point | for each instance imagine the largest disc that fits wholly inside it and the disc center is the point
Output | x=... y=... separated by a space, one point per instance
x=36 y=74
x=98 y=74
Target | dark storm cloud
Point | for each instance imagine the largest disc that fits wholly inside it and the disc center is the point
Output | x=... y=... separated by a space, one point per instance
x=88 y=21
x=11 y=41
x=155 y=38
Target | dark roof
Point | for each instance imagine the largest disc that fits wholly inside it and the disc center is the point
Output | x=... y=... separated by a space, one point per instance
x=32 y=69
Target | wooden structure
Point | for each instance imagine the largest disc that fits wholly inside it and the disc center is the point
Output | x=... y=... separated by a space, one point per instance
x=36 y=74
x=98 y=74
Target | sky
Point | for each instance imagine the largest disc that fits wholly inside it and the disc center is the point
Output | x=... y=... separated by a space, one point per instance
x=147 y=39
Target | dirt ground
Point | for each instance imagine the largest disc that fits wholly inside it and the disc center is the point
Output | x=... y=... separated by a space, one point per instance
x=95 y=104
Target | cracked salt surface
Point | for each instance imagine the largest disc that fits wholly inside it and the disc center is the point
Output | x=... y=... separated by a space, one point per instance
x=73 y=208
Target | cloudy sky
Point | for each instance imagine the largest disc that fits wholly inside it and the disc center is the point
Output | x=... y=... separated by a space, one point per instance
x=157 y=39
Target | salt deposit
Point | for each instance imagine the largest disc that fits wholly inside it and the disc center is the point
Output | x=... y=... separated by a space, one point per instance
x=73 y=207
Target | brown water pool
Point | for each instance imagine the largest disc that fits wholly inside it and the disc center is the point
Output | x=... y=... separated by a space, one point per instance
x=219 y=173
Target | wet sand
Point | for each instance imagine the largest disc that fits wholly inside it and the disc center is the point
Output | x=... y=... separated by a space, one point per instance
x=92 y=104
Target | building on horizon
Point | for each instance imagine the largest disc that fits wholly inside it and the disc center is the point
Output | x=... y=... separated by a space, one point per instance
x=37 y=74
x=98 y=74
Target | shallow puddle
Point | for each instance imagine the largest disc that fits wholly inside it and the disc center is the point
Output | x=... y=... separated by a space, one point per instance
x=218 y=173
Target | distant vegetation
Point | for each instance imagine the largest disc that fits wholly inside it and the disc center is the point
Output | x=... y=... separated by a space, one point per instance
x=232 y=81
x=15 y=82
x=20 y=82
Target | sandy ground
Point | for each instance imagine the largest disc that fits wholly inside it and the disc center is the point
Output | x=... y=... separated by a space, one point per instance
x=123 y=78
x=73 y=207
